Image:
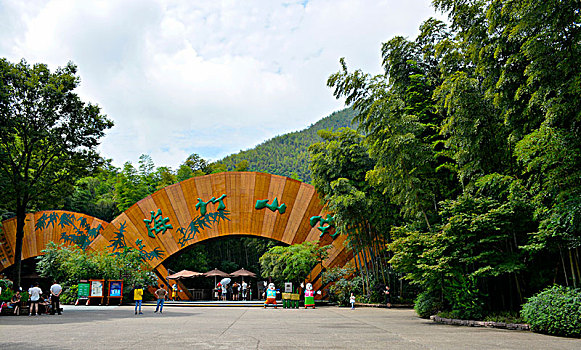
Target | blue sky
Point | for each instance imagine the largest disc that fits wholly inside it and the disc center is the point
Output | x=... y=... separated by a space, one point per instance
x=207 y=77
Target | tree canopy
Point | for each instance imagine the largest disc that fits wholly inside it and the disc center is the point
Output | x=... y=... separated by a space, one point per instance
x=48 y=137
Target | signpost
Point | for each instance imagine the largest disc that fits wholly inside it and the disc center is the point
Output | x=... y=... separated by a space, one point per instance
x=115 y=291
x=96 y=291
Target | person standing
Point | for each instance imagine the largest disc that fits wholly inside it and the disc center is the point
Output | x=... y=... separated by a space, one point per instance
x=138 y=297
x=387 y=299
x=224 y=291
x=16 y=302
x=174 y=292
x=55 y=292
x=235 y=291
x=34 y=293
x=352 y=301
x=244 y=289
x=161 y=293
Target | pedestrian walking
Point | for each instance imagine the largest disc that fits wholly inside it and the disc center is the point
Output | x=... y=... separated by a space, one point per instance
x=55 y=292
x=352 y=301
x=387 y=297
x=138 y=297
x=161 y=294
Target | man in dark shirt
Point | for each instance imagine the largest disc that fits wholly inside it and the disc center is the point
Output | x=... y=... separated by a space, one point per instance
x=161 y=293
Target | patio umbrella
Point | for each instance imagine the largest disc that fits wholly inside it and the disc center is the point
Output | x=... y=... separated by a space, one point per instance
x=243 y=273
x=216 y=273
x=184 y=274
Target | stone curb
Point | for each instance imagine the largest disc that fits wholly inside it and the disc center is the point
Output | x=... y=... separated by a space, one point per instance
x=490 y=324
x=393 y=306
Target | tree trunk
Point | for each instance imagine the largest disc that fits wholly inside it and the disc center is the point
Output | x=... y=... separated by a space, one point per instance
x=577 y=263
x=360 y=268
x=20 y=220
x=365 y=263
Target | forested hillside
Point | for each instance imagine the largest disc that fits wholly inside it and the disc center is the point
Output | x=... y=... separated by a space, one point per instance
x=287 y=154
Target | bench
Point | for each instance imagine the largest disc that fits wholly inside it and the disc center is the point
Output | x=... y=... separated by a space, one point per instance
x=9 y=310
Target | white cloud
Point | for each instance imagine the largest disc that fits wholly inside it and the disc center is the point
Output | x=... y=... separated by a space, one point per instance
x=210 y=77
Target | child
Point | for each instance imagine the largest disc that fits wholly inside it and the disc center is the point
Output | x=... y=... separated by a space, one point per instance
x=352 y=301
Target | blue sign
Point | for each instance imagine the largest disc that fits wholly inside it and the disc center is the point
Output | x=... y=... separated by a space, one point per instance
x=115 y=288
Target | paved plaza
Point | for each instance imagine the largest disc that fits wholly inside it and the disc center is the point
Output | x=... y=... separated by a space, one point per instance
x=256 y=328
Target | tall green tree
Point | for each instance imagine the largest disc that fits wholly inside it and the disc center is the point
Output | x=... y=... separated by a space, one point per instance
x=339 y=166
x=396 y=110
x=525 y=61
x=95 y=195
x=48 y=137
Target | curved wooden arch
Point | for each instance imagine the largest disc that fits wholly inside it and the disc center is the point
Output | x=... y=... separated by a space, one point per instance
x=178 y=208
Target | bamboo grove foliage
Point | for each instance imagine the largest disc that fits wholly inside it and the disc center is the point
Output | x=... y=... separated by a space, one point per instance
x=472 y=135
x=339 y=166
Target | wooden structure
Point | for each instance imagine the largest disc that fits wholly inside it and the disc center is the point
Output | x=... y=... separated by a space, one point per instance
x=187 y=213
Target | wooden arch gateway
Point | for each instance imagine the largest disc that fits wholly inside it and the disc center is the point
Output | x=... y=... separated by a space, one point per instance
x=189 y=212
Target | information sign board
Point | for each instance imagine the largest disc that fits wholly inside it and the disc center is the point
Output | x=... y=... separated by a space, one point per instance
x=96 y=288
x=115 y=288
x=83 y=292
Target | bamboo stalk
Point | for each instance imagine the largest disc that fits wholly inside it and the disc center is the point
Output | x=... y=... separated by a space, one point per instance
x=577 y=260
x=572 y=269
x=564 y=267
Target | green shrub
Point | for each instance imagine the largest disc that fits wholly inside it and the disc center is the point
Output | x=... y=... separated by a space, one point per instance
x=69 y=294
x=6 y=295
x=555 y=310
x=24 y=297
x=7 y=292
x=505 y=316
x=345 y=282
x=427 y=304
x=464 y=298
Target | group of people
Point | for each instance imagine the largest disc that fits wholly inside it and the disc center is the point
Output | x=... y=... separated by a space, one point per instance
x=236 y=291
x=39 y=303
x=160 y=294
x=50 y=301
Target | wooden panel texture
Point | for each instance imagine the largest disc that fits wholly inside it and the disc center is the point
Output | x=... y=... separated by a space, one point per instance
x=178 y=203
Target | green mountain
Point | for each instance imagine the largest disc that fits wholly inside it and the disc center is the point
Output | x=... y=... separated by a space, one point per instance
x=288 y=154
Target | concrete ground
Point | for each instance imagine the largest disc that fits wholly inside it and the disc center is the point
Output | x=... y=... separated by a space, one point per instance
x=256 y=328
